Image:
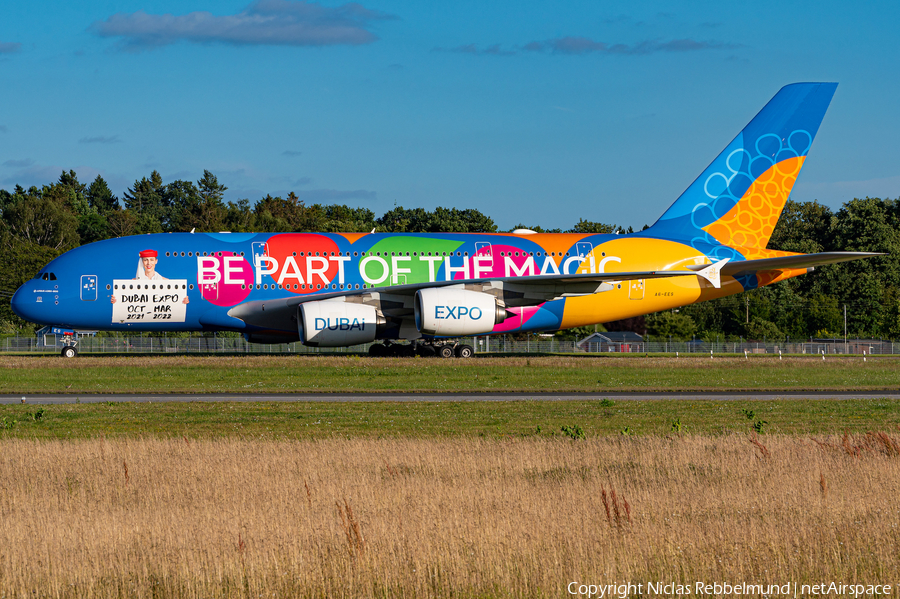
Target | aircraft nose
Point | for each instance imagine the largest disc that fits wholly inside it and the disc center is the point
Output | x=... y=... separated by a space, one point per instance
x=25 y=303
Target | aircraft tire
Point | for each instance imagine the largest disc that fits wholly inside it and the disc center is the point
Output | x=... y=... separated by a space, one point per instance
x=68 y=352
x=465 y=351
x=446 y=351
x=378 y=350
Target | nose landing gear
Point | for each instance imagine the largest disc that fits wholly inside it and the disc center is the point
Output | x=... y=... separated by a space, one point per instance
x=69 y=350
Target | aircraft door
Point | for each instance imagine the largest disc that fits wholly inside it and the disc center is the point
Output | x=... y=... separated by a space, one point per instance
x=636 y=289
x=89 y=288
x=258 y=249
x=584 y=249
x=209 y=291
x=484 y=250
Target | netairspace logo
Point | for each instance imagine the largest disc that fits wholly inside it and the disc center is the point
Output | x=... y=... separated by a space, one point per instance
x=720 y=589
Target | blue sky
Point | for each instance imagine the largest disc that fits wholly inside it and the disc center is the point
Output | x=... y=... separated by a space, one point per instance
x=533 y=112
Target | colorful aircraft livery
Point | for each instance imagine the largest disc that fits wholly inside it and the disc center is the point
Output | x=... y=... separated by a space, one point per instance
x=345 y=289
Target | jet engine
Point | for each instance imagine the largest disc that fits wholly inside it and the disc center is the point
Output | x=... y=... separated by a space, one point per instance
x=457 y=312
x=331 y=323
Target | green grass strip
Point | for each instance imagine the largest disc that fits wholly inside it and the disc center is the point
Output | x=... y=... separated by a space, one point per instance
x=294 y=374
x=505 y=419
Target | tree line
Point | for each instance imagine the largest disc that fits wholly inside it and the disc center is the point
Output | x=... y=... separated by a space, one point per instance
x=39 y=223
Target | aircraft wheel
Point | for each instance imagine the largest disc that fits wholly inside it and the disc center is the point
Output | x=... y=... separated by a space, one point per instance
x=68 y=352
x=377 y=351
x=465 y=351
x=446 y=351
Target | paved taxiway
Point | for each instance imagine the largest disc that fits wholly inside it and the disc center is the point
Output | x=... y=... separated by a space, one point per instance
x=437 y=397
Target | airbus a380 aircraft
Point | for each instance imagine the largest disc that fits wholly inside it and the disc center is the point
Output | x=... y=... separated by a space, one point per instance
x=349 y=288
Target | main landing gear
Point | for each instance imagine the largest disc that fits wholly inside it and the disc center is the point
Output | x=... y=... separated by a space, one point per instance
x=426 y=349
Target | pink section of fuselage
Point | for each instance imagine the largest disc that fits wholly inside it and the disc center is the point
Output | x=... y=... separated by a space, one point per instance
x=228 y=294
x=495 y=267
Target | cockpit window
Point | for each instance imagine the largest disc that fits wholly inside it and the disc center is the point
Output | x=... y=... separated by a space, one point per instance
x=45 y=276
x=52 y=277
x=38 y=276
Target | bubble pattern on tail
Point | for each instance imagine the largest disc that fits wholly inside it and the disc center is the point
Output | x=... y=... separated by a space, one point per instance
x=750 y=223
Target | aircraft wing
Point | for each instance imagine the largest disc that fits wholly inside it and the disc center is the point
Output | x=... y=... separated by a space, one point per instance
x=790 y=262
x=574 y=284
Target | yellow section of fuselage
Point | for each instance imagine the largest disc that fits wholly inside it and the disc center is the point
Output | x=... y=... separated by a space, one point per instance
x=633 y=298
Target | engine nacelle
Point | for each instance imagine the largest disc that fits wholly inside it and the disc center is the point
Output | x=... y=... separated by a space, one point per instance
x=330 y=323
x=456 y=312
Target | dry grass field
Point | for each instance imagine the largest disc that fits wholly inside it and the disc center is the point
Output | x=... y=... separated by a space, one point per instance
x=465 y=517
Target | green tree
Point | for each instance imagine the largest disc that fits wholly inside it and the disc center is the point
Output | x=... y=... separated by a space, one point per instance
x=442 y=220
x=822 y=314
x=344 y=219
x=804 y=227
x=460 y=221
x=891 y=325
x=8 y=199
x=239 y=218
x=100 y=197
x=42 y=221
x=183 y=202
x=20 y=260
x=146 y=199
x=673 y=324
x=69 y=194
x=93 y=227
x=121 y=223
x=404 y=220
x=210 y=211
x=586 y=226
x=760 y=329
x=288 y=214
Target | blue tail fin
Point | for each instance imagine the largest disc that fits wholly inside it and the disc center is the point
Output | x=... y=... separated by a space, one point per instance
x=737 y=200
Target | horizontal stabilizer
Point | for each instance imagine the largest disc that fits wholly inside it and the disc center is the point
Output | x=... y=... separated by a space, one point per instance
x=793 y=262
x=713 y=273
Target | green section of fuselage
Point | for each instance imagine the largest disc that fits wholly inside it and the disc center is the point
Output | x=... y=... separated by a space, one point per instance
x=401 y=253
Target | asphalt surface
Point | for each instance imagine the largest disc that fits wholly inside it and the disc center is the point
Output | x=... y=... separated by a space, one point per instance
x=44 y=398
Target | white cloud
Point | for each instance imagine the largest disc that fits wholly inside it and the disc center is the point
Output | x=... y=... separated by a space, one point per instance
x=263 y=22
x=100 y=139
x=584 y=45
